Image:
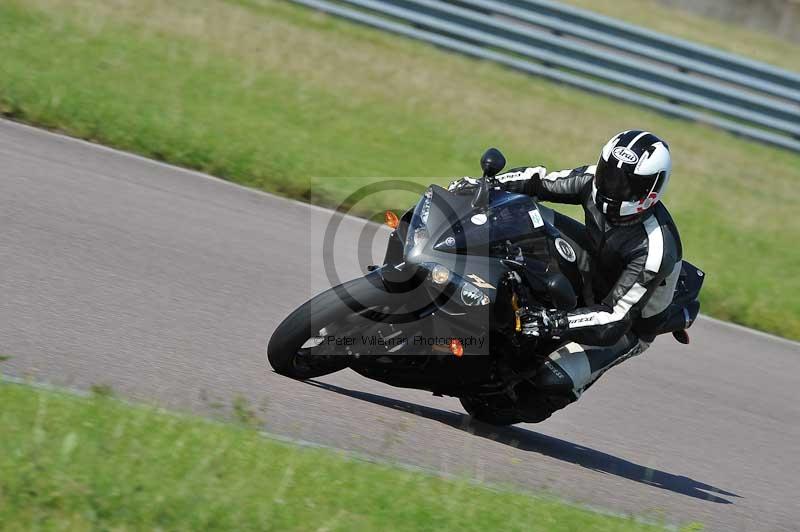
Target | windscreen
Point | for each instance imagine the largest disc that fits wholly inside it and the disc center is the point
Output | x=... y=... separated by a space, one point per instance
x=511 y=221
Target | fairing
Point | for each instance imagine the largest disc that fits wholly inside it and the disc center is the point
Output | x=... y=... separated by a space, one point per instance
x=445 y=229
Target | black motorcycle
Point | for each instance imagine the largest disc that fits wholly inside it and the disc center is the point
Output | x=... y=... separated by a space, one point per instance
x=442 y=313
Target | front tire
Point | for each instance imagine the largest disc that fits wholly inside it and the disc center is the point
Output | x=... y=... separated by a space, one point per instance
x=285 y=350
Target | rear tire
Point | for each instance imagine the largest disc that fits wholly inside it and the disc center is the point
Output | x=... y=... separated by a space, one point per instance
x=285 y=351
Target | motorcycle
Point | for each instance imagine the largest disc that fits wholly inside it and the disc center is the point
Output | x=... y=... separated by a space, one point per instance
x=442 y=313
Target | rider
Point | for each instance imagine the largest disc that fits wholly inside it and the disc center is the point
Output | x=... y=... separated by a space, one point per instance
x=630 y=252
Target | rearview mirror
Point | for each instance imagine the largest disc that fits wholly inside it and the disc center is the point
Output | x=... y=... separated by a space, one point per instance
x=492 y=162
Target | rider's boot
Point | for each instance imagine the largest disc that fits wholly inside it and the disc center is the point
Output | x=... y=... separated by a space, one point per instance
x=572 y=369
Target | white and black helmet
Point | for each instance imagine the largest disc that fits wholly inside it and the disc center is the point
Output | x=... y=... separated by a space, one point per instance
x=632 y=174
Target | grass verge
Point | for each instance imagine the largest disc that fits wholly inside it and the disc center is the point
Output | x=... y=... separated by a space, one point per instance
x=270 y=95
x=76 y=463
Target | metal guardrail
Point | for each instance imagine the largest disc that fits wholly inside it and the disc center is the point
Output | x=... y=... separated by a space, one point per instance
x=683 y=55
x=588 y=51
x=693 y=56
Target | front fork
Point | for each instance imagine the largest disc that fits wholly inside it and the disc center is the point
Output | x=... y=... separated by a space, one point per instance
x=519 y=300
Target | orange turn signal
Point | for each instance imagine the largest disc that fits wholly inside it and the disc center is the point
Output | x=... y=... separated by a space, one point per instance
x=391 y=219
x=456 y=347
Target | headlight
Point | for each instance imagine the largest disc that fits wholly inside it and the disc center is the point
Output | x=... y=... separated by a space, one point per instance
x=473 y=296
x=443 y=279
x=440 y=274
x=426 y=206
x=420 y=236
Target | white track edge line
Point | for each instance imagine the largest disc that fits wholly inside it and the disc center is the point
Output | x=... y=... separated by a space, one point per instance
x=755 y=332
x=162 y=164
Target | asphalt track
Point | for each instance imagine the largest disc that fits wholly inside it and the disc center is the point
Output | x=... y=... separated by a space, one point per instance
x=165 y=284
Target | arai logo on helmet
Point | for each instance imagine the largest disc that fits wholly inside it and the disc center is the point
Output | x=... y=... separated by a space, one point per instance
x=624 y=154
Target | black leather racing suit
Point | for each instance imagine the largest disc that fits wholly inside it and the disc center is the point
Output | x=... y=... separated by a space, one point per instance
x=634 y=269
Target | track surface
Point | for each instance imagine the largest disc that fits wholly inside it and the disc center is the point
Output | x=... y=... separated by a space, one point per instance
x=166 y=285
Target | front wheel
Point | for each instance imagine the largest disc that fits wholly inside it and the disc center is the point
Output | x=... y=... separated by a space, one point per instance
x=294 y=347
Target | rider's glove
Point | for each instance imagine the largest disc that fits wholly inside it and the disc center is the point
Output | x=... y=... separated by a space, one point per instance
x=523 y=174
x=543 y=323
x=465 y=183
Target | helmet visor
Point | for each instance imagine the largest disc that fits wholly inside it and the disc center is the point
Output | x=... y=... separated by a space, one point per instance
x=618 y=183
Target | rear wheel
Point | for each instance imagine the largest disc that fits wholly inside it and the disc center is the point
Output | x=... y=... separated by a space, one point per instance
x=296 y=347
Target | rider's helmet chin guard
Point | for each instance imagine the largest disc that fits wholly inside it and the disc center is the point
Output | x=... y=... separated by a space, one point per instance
x=631 y=175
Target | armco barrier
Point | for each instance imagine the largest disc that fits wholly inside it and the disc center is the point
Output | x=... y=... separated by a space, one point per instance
x=593 y=52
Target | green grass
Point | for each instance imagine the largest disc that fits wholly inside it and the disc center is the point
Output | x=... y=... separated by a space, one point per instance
x=72 y=463
x=271 y=95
